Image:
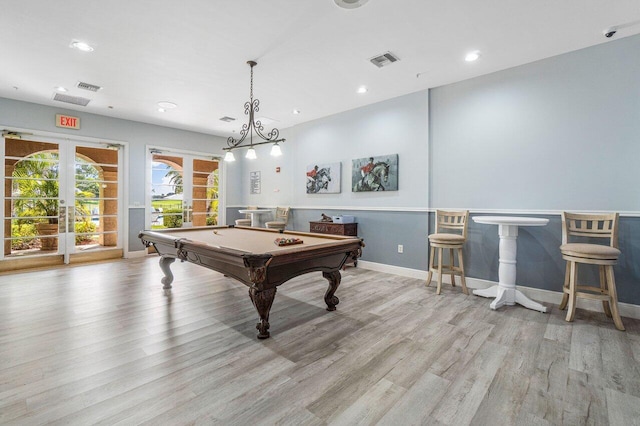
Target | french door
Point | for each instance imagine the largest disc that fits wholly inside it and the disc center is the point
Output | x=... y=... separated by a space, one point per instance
x=62 y=202
x=183 y=191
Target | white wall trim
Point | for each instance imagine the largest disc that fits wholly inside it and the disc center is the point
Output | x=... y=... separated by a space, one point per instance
x=201 y=155
x=350 y=208
x=547 y=296
x=534 y=212
x=123 y=212
x=390 y=269
x=433 y=210
x=30 y=134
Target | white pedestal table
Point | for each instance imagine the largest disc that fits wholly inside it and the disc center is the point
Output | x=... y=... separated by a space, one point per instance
x=505 y=292
x=255 y=215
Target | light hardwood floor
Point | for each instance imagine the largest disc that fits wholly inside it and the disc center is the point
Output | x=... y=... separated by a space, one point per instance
x=102 y=344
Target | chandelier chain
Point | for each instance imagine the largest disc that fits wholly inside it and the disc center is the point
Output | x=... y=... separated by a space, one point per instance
x=251 y=86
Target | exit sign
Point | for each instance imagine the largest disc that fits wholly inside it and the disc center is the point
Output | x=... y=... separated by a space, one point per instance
x=67 y=121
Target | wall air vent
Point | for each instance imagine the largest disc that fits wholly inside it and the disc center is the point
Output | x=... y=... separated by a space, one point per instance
x=227 y=119
x=384 y=59
x=87 y=86
x=76 y=100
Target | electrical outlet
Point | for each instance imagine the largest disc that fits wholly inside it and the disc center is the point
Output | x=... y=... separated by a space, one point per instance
x=400 y=248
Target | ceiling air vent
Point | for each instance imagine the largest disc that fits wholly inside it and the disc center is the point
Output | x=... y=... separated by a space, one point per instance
x=76 y=100
x=87 y=86
x=227 y=119
x=384 y=59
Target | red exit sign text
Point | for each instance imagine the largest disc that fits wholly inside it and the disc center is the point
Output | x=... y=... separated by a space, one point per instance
x=67 y=121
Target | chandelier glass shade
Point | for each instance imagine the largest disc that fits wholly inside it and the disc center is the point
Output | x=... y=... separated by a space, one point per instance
x=253 y=126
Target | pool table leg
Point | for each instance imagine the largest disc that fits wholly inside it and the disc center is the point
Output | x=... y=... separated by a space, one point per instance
x=263 y=300
x=165 y=266
x=334 y=281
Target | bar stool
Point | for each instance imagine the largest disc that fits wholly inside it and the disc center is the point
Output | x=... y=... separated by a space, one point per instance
x=247 y=217
x=282 y=217
x=454 y=221
x=605 y=256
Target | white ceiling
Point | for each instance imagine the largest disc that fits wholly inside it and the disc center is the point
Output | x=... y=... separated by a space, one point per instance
x=311 y=54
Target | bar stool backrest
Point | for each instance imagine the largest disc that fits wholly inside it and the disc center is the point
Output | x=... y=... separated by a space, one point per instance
x=452 y=220
x=590 y=226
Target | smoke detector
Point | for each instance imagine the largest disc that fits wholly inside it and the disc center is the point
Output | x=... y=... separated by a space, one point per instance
x=350 y=4
x=384 y=59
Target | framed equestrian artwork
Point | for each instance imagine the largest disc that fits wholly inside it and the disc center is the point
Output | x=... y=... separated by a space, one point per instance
x=375 y=173
x=323 y=178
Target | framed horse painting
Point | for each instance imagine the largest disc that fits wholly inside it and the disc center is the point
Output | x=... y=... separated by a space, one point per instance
x=375 y=173
x=323 y=178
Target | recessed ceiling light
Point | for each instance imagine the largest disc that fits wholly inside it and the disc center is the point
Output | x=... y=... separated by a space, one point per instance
x=61 y=89
x=161 y=110
x=472 y=56
x=296 y=111
x=363 y=89
x=80 y=45
x=167 y=105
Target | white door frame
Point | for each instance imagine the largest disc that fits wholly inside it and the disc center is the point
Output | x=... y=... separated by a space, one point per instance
x=181 y=152
x=64 y=142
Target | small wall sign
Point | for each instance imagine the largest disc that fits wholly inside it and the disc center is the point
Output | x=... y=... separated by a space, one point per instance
x=254 y=182
x=67 y=121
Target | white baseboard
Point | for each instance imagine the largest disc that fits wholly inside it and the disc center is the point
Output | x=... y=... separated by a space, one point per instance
x=390 y=269
x=135 y=254
x=547 y=296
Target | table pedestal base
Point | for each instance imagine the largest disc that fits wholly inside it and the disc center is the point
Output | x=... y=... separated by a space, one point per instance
x=508 y=296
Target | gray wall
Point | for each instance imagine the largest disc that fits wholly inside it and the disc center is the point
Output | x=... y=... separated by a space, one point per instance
x=397 y=126
x=385 y=219
x=276 y=188
x=382 y=232
x=558 y=134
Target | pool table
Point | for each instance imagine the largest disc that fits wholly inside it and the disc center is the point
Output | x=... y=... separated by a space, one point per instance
x=251 y=256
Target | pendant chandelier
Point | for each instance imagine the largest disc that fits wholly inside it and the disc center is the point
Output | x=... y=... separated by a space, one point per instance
x=250 y=108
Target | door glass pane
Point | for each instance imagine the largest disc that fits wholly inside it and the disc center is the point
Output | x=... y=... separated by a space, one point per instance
x=205 y=192
x=96 y=198
x=166 y=191
x=31 y=205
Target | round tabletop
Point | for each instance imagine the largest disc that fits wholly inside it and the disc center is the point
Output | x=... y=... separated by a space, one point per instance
x=254 y=211
x=510 y=220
